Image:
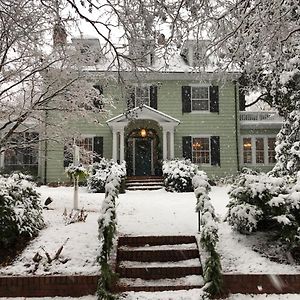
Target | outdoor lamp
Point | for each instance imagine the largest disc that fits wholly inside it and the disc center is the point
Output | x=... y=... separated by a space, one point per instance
x=143 y=132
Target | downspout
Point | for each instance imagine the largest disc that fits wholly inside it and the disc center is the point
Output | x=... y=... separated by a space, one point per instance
x=236 y=126
x=46 y=149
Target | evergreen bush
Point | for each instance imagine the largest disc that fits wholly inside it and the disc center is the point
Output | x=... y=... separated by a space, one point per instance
x=20 y=209
x=99 y=173
x=178 y=174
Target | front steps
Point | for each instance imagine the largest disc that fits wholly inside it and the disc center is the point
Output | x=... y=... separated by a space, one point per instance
x=158 y=263
x=134 y=183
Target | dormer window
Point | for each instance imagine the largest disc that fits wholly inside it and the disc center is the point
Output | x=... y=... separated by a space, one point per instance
x=142 y=52
x=88 y=49
x=193 y=52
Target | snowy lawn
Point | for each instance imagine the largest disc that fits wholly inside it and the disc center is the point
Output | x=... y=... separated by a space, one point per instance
x=139 y=213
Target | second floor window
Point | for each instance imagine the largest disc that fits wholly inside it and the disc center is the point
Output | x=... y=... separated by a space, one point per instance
x=142 y=95
x=200 y=98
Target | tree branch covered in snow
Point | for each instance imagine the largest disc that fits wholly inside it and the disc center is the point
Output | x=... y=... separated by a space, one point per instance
x=107 y=230
x=209 y=233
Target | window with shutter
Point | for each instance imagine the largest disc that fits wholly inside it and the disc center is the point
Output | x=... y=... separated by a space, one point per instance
x=186 y=99
x=187 y=147
x=215 y=151
x=214 y=98
x=98 y=148
x=153 y=96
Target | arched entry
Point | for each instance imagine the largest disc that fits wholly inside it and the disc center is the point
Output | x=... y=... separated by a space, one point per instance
x=143 y=152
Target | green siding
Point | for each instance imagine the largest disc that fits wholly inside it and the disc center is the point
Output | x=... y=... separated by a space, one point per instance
x=169 y=101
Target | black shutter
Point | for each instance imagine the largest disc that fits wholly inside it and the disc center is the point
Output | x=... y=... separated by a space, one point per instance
x=242 y=99
x=214 y=98
x=153 y=96
x=130 y=97
x=187 y=147
x=215 y=151
x=98 y=148
x=186 y=99
x=68 y=156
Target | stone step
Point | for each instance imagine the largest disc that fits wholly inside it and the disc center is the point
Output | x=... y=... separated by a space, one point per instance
x=136 y=241
x=145 y=183
x=182 y=283
x=157 y=255
x=144 y=187
x=158 y=272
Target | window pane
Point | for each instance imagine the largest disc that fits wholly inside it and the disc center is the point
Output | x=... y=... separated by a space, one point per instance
x=200 y=105
x=260 y=159
x=271 y=150
x=201 y=151
x=142 y=96
x=86 y=150
x=247 y=150
x=200 y=92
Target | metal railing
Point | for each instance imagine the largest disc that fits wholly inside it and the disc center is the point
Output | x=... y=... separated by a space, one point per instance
x=260 y=116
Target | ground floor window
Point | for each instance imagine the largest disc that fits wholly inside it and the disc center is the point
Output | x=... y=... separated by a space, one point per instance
x=90 y=150
x=22 y=152
x=201 y=150
x=258 y=150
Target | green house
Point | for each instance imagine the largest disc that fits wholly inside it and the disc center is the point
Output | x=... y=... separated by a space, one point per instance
x=172 y=112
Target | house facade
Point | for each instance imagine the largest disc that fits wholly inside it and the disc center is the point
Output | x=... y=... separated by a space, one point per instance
x=177 y=113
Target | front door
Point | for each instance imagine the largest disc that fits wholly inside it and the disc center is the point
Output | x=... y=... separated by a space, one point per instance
x=143 y=163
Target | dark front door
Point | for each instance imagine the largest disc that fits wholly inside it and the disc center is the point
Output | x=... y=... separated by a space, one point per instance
x=143 y=157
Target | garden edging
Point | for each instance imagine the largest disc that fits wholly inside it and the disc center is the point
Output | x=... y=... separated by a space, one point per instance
x=81 y=285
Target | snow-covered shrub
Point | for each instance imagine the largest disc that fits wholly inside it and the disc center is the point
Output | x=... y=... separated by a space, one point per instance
x=249 y=205
x=209 y=233
x=107 y=230
x=178 y=174
x=100 y=171
x=78 y=171
x=20 y=209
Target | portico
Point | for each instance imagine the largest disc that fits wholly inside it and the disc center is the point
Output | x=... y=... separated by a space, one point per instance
x=137 y=126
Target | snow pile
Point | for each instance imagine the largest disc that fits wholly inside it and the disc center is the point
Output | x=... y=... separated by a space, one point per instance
x=100 y=171
x=178 y=174
x=209 y=233
x=20 y=209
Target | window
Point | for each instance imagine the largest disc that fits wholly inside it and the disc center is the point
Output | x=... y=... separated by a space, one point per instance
x=271 y=150
x=260 y=153
x=259 y=150
x=23 y=151
x=86 y=150
x=200 y=98
x=201 y=150
x=98 y=100
x=142 y=95
x=247 y=150
x=90 y=150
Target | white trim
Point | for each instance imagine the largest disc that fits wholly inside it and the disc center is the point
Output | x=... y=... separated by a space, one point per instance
x=253 y=149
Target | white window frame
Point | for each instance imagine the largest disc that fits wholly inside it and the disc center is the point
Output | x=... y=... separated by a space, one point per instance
x=143 y=86
x=208 y=99
x=253 y=149
x=209 y=146
x=86 y=136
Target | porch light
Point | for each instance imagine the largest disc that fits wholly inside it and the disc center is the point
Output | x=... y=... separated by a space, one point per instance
x=143 y=132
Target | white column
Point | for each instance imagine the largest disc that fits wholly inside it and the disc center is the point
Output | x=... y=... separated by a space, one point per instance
x=2 y=159
x=115 y=145
x=165 y=148
x=121 y=145
x=171 y=144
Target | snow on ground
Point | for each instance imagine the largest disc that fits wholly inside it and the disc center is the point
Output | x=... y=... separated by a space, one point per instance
x=80 y=250
x=139 y=213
